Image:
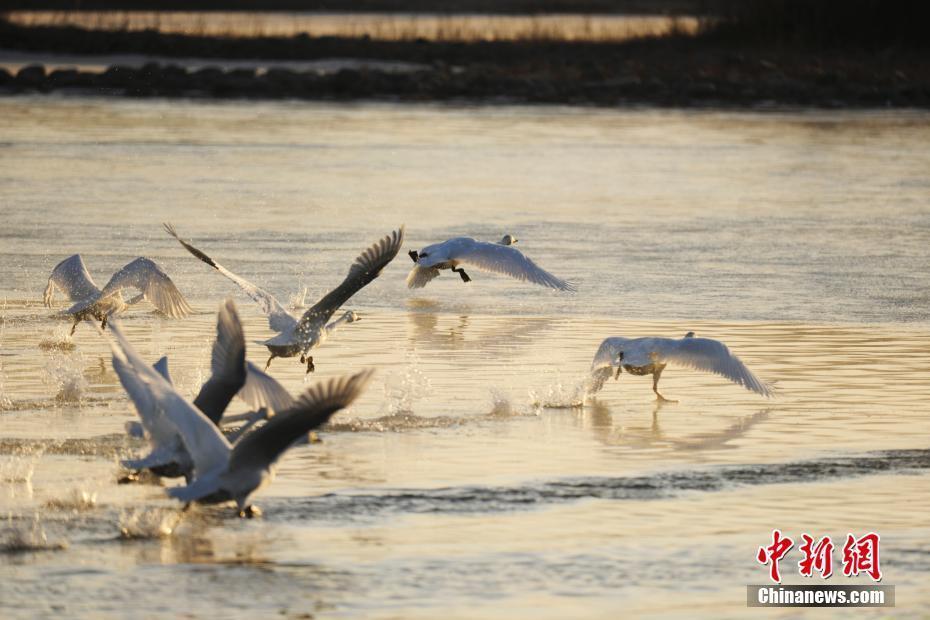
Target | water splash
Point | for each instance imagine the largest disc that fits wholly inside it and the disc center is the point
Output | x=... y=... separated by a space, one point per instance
x=298 y=301
x=147 y=523
x=17 y=471
x=78 y=500
x=66 y=377
x=561 y=395
x=18 y=539
x=402 y=389
x=501 y=404
x=60 y=340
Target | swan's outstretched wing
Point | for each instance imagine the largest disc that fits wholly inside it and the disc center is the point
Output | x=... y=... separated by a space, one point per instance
x=155 y=285
x=709 y=356
x=206 y=445
x=262 y=391
x=603 y=363
x=71 y=277
x=279 y=319
x=420 y=276
x=263 y=446
x=509 y=261
x=227 y=365
x=366 y=268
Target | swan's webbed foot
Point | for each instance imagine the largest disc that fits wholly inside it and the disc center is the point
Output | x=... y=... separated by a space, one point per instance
x=268 y=363
x=413 y=255
x=310 y=366
x=250 y=512
x=661 y=398
x=129 y=478
x=462 y=273
x=303 y=358
x=103 y=323
x=74 y=327
x=187 y=506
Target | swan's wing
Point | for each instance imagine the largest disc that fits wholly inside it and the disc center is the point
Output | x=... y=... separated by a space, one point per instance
x=603 y=363
x=145 y=275
x=710 y=356
x=262 y=391
x=206 y=445
x=161 y=367
x=509 y=261
x=606 y=356
x=420 y=276
x=160 y=431
x=261 y=447
x=227 y=365
x=71 y=277
x=366 y=268
x=279 y=319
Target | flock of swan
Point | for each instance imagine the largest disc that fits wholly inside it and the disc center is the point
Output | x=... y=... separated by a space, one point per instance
x=227 y=458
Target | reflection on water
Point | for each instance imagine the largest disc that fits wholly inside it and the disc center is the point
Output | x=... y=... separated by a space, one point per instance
x=464 y=477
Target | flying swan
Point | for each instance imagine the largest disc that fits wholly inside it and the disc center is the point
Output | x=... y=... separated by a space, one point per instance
x=501 y=258
x=223 y=471
x=71 y=277
x=231 y=375
x=299 y=336
x=650 y=356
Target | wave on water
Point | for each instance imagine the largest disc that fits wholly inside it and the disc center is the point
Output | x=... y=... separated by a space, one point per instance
x=394 y=423
x=481 y=499
x=108 y=446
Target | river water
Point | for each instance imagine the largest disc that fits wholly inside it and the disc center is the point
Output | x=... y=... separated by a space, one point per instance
x=464 y=483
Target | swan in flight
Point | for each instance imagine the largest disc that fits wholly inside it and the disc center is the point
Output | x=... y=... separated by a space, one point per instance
x=501 y=258
x=650 y=356
x=232 y=472
x=221 y=471
x=231 y=375
x=71 y=277
x=299 y=335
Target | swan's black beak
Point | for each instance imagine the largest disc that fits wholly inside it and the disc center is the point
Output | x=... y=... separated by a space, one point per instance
x=413 y=255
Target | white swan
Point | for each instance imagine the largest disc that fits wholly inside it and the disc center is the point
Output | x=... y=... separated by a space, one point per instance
x=219 y=470
x=231 y=375
x=232 y=472
x=500 y=258
x=71 y=277
x=298 y=336
x=649 y=356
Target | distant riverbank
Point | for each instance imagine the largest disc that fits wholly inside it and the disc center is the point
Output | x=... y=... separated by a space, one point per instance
x=675 y=70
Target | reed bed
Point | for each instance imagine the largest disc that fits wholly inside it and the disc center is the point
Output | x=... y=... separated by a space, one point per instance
x=387 y=27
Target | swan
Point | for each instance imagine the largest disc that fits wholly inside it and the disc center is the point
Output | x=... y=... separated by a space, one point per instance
x=501 y=258
x=231 y=375
x=650 y=356
x=222 y=471
x=299 y=335
x=71 y=277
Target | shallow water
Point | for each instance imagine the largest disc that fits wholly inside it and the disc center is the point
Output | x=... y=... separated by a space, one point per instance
x=463 y=482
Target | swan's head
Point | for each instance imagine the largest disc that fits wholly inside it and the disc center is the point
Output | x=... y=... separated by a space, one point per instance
x=351 y=316
x=689 y=335
x=508 y=240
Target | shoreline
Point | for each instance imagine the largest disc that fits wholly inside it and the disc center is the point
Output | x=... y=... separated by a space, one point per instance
x=669 y=71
